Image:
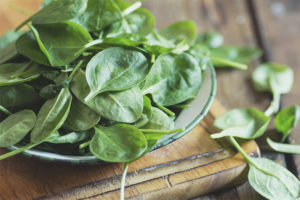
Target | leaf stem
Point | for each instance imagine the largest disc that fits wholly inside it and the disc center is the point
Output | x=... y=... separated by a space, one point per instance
x=229 y=63
x=239 y=148
x=132 y=8
x=123 y=181
x=161 y=131
x=4 y=110
x=83 y=145
x=76 y=68
x=274 y=105
x=19 y=150
x=166 y=110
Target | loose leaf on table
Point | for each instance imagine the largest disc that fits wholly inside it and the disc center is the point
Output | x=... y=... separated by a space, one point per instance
x=115 y=69
x=246 y=123
x=51 y=116
x=98 y=15
x=284 y=148
x=124 y=106
x=274 y=78
x=60 y=41
x=18 y=97
x=169 y=82
x=147 y=113
x=9 y=37
x=272 y=180
x=183 y=31
x=81 y=117
x=118 y=143
x=236 y=54
x=210 y=39
x=59 y=11
x=286 y=120
x=70 y=138
x=15 y=127
x=16 y=73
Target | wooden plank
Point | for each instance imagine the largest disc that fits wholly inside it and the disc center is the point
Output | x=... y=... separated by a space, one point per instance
x=280 y=26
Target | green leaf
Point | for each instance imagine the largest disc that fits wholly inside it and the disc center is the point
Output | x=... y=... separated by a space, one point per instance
x=16 y=73
x=146 y=115
x=286 y=120
x=236 y=54
x=211 y=39
x=18 y=97
x=246 y=123
x=59 y=11
x=15 y=127
x=81 y=117
x=169 y=82
x=9 y=37
x=99 y=14
x=59 y=42
x=8 y=52
x=273 y=181
x=118 y=143
x=124 y=106
x=69 y=138
x=51 y=116
x=284 y=148
x=180 y=31
x=115 y=69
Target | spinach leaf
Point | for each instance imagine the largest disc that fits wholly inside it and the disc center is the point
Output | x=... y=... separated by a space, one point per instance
x=124 y=106
x=169 y=82
x=284 y=148
x=115 y=69
x=275 y=78
x=246 y=123
x=236 y=54
x=147 y=113
x=180 y=31
x=70 y=138
x=27 y=46
x=287 y=119
x=273 y=181
x=8 y=52
x=59 y=11
x=81 y=117
x=211 y=39
x=99 y=14
x=60 y=41
x=18 y=97
x=202 y=54
x=118 y=143
x=157 y=44
x=16 y=73
x=15 y=127
x=51 y=116
x=9 y=37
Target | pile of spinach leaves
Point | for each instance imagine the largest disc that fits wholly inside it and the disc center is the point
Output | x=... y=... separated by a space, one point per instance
x=99 y=78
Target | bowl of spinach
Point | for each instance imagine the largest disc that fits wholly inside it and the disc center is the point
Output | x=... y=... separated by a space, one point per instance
x=99 y=83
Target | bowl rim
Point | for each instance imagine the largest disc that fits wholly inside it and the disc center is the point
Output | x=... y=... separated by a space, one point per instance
x=90 y=160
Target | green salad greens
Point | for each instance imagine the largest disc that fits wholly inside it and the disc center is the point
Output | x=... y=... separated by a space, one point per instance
x=99 y=78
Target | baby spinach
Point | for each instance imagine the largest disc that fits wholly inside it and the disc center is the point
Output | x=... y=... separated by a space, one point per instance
x=147 y=113
x=286 y=120
x=8 y=52
x=60 y=41
x=15 y=127
x=81 y=117
x=169 y=83
x=118 y=143
x=51 y=116
x=274 y=78
x=246 y=123
x=16 y=73
x=180 y=31
x=284 y=148
x=115 y=69
x=9 y=37
x=69 y=138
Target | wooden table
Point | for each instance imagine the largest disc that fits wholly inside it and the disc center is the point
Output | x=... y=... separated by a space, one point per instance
x=271 y=25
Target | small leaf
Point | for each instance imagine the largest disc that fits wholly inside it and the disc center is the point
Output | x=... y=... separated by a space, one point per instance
x=273 y=181
x=70 y=138
x=246 y=123
x=118 y=143
x=284 y=148
x=286 y=120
